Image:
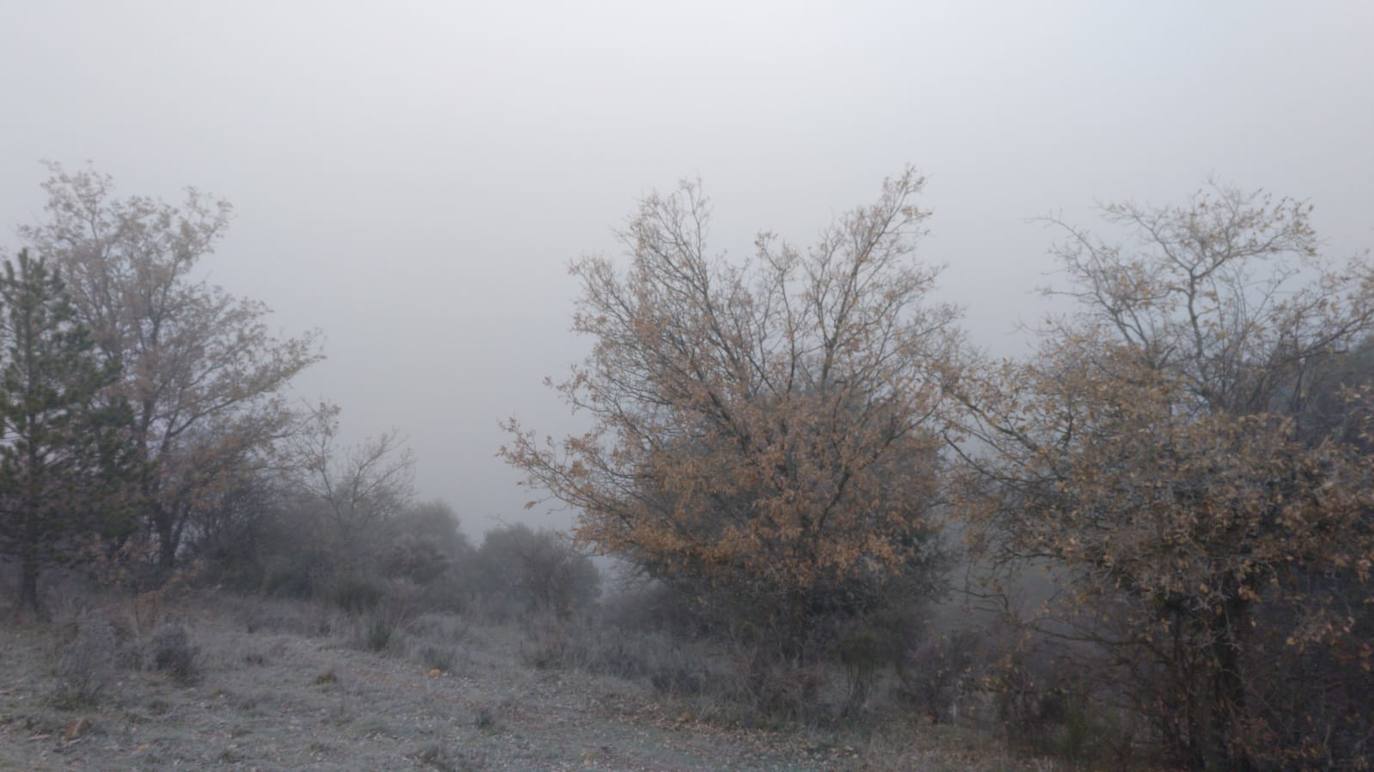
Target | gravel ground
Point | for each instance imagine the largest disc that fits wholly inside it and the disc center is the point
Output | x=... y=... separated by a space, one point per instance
x=282 y=688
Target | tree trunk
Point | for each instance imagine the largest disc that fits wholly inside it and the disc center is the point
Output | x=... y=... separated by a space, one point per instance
x=28 y=582
x=165 y=523
x=1228 y=703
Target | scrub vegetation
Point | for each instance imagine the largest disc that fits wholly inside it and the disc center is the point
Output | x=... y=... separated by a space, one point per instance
x=815 y=527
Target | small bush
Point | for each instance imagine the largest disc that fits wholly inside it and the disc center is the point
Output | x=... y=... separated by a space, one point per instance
x=938 y=674
x=548 y=647
x=380 y=630
x=780 y=688
x=357 y=594
x=284 y=578
x=170 y=651
x=1046 y=704
x=87 y=664
x=863 y=651
x=259 y=615
x=445 y=628
x=447 y=592
x=521 y=570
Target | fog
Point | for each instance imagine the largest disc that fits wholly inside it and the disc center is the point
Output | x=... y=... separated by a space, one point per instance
x=413 y=178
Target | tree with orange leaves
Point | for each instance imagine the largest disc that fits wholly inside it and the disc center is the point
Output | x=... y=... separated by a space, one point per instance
x=766 y=431
x=1214 y=550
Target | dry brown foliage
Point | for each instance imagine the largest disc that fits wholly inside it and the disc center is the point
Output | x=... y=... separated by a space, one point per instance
x=769 y=427
x=1150 y=454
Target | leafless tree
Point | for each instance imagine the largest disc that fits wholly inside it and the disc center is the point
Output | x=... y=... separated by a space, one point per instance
x=357 y=487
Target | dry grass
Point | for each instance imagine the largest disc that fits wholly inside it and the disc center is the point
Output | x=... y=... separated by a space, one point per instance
x=277 y=691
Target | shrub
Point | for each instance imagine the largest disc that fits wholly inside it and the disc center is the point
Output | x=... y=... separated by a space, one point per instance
x=548 y=647
x=780 y=687
x=1046 y=703
x=519 y=568
x=170 y=651
x=356 y=594
x=656 y=606
x=87 y=664
x=937 y=674
x=445 y=628
x=380 y=630
x=449 y=591
x=864 y=651
x=422 y=543
x=285 y=578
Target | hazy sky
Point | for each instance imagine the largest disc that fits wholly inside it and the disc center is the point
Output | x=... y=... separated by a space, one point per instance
x=412 y=178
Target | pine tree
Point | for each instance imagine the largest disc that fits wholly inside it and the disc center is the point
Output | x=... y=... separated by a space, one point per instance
x=64 y=455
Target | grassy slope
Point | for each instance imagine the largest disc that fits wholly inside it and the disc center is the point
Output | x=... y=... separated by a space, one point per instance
x=283 y=686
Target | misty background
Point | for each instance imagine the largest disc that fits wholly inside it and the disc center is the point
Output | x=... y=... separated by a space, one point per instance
x=413 y=178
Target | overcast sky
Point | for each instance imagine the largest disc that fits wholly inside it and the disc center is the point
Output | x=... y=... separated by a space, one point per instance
x=413 y=177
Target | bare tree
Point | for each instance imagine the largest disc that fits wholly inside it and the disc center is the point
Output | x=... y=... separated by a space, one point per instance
x=359 y=487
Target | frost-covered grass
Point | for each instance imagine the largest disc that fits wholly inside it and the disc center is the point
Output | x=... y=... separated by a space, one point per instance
x=280 y=684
